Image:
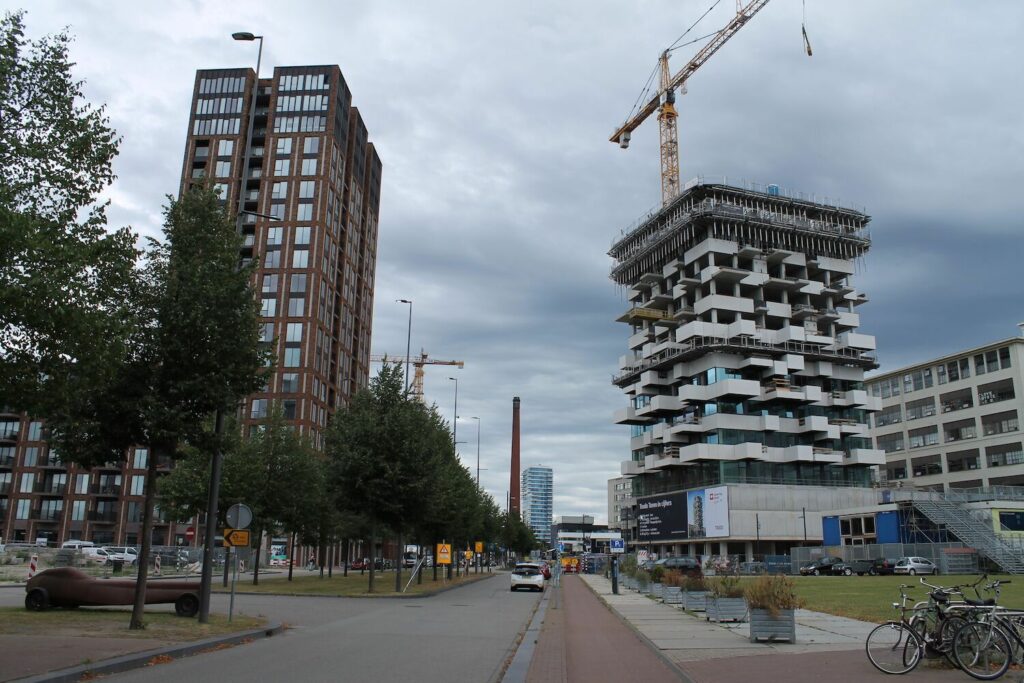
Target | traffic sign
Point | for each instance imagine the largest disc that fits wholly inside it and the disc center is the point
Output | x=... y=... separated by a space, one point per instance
x=479 y=546
x=239 y=516
x=618 y=545
x=236 y=538
x=190 y=533
x=468 y=554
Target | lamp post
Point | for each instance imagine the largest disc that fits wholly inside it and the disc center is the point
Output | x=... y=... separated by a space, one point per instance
x=477 y=450
x=408 y=341
x=455 y=419
x=206 y=580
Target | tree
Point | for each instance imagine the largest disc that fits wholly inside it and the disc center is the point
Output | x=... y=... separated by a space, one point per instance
x=64 y=279
x=381 y=456
x=193 y=349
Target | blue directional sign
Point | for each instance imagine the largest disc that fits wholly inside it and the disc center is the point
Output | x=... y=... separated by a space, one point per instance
x=617 y=545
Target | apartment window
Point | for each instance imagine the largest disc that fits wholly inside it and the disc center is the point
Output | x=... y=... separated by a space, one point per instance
x=284 y=146
x=138 y=485
x=31 y=457
x=924 y=407
x=296 y=307
x=78 y=510
x=274 y=236
x=82 y=483
x=9 y=429
x=979 y=364
x=259 y=408
x=268 y=308
x=992 y=360
x=890 y=415
x=1000 y=423
x=22 y=511
x=306 y=189
x=288 y=407
x=926 y=436
x=141 y=458
x=223 y=169
x=270 y=283
x=1004 y=357
x=888 y=387
x=225 y=148
x=965 y=368
x=304 y=212
x=890 y=442
x=1006 y=454
x=221 y=190
x=272 y=259
x=28 y=479
x=279 y=191
x=282 y=167
x=311 y=145
x=35 y=431
x=298 y=283
x=941 y=372
x=960 y=430
x=292 y=357
x=289 y=382
x=300 y=258
x=294 y=332
x=309 y=167
x=267 y=332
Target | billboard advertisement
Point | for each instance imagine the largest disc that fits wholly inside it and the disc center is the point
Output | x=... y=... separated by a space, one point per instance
x=708 y=512
x=662 y=518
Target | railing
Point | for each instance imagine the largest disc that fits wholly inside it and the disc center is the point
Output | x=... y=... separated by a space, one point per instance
x=46 y=514
x=6 y=461
x=106 y=516
x=106 y=489
x=50 y=488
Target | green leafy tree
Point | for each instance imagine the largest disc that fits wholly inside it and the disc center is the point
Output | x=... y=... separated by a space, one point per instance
x=193 y=350
x=64 y=279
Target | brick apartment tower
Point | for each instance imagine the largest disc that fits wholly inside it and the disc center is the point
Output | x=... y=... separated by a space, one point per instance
x=513 y=484
x=312 y=168
x=313 y=185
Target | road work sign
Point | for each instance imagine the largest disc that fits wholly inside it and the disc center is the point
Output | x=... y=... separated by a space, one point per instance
x=444 y=553
x=236 y=538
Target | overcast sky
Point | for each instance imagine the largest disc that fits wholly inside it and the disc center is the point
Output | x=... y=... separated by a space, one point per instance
x=501 y=194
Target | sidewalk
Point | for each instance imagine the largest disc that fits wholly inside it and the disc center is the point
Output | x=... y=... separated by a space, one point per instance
x=704 y=651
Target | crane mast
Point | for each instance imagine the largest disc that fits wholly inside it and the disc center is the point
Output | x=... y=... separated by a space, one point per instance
x=664 y=100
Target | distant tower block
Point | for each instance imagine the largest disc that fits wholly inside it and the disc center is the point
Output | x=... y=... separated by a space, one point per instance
x=513 y=484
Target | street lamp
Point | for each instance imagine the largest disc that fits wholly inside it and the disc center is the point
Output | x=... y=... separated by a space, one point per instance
x=455 y=419
x=408 y=342
x=477 y=450
x=216 y=461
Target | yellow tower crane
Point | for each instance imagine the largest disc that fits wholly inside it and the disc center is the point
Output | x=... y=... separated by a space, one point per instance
x=663 y=101
x=417 y=362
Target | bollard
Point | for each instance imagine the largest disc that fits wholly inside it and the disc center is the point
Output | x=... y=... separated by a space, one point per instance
x=32 y=566
x=156 y=565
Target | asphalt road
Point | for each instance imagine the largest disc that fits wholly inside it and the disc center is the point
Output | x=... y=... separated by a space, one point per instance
x=465 y=634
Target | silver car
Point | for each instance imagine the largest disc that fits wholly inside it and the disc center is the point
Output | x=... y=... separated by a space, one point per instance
x=915 y=565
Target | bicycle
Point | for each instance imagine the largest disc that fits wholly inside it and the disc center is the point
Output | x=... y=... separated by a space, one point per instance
x=937 y=620
x=984 y=649
x=894 y=647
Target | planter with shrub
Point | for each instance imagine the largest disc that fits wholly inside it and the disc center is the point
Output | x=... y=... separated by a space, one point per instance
x=725 y=601
x=695 y=594
x=773 y=603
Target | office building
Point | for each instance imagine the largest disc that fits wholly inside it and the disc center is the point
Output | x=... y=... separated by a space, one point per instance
x=745 y=369
x=310 y=183
x=620 y=505
x=538 y=496
x=953 y=422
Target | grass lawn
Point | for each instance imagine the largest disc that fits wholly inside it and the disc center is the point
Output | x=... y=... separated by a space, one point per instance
x=870 y=598
x=353 y=585
x=110 y=623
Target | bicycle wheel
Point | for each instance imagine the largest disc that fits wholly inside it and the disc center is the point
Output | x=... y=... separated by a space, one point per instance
x=947 y=631
x=893 y=648
x=982 y=650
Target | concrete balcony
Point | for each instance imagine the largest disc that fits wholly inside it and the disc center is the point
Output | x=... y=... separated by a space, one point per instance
x=747 y=388
x=802 y=311
x=723 y=302
x=813 y=423
x=856 y=397
x=628 y=416
x=847 y=319
x=864 y=456
x=864 y=342
x=708 y=451
x=725 y=274
x=650 y=378
x=639 y=339
x=776 y=310
x=628 y=468
x=660 y=406
x=638 y=314
x=784 y=392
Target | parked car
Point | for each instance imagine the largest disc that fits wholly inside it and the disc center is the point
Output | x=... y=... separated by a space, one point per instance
x=858 y=567
x=76 y=544
x=688 y=566
x=527 y=576
x=915 y=565
x=126 y=554
x=96 y=555
x=359 y=565
x=883 y=566
x=823 y=565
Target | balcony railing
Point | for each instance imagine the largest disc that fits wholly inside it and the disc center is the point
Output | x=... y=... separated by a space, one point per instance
x=50 y=488
x=50 y=461
x=47 y=514
x=103 y=516
x=106 y=489
x=6 y=461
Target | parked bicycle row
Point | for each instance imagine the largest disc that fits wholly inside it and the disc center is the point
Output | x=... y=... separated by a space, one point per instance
x=977 y=635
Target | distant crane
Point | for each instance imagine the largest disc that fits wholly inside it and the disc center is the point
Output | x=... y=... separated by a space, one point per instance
x=663 y=101
x=416 y=388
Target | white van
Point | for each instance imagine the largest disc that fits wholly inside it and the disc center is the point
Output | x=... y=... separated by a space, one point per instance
x=76 y=544
x=94 y=554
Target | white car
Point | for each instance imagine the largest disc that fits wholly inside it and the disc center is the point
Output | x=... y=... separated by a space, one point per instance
x=527 y=576
x=126 y=554
x=97 y=555
x=915 y=565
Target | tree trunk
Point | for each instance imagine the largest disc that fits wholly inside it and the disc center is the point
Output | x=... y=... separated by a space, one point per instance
x=346 y=555
x=227 y=562
x=373 y=561
x=398 y=564
x=291 y=557
x=437 y=556
x=256 y=560
x=139 y=608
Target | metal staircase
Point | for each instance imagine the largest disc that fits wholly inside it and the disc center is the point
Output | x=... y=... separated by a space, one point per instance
x=959 y=521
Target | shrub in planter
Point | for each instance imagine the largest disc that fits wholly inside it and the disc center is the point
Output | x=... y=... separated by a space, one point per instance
x=725 y=601
x=695 y=593
x=773 y=602
x=673 y=579
x=657 y=574
x=628 y=567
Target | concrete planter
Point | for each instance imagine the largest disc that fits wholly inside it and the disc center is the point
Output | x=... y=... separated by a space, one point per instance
x=673 y=595
x=656 y=590
x=695 y=601
x=764 y=626
x=726 y=609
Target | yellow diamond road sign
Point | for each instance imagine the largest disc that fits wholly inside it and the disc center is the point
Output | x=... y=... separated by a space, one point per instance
x=238 y=538
x=444 y=553
x=479 y=546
